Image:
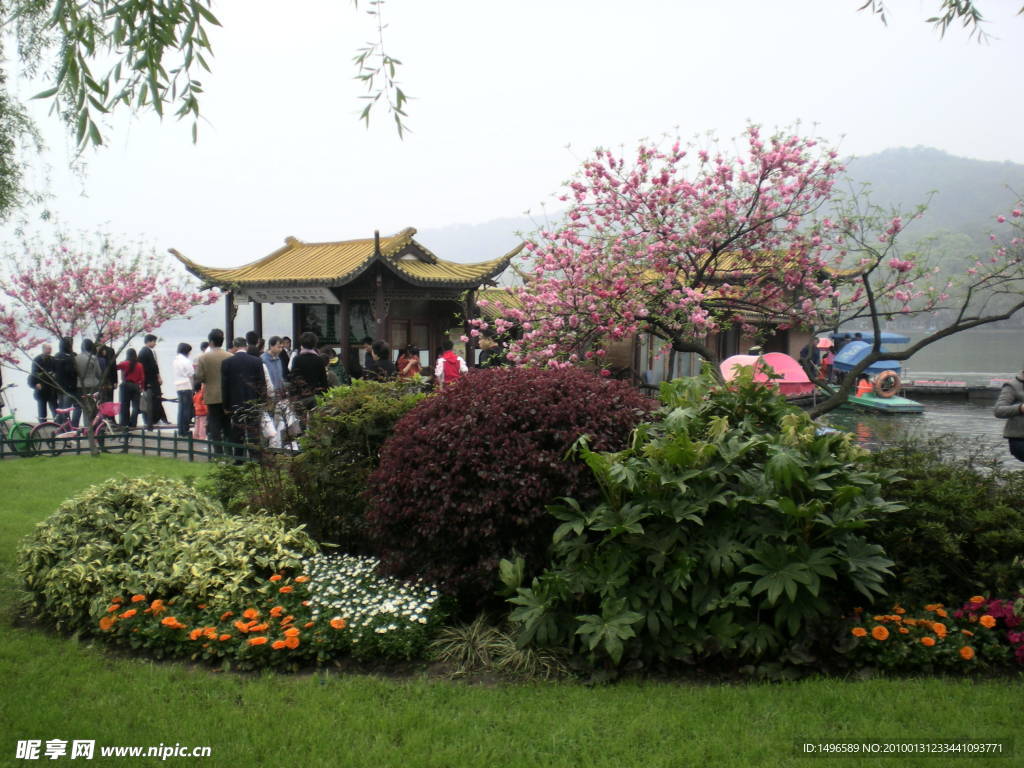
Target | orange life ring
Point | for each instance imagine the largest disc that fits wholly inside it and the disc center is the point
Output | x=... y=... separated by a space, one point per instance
x=887 y=384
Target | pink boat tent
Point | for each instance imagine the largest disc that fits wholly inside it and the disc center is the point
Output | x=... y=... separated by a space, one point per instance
x=794 y=380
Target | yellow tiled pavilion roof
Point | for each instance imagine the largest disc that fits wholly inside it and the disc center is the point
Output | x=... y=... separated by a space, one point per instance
x=339 y=263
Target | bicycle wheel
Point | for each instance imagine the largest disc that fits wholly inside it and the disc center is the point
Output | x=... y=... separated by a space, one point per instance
x=110 y=437
x=21 y=439
x=44 y=438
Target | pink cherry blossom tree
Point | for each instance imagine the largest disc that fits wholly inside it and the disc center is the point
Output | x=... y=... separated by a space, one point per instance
x=89 y=287
x=682 y=243
x=685 y=244
x=878 y=281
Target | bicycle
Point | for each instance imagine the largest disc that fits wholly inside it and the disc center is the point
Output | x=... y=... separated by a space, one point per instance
x=47 y=436
x=17 y=433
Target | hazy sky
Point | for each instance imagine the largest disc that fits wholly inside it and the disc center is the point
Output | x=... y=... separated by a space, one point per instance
x=509 y=97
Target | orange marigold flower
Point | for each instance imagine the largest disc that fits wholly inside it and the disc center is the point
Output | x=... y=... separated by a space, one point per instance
x=967 y=653
x=276 y=611
x=195 y=634
x=939 y=629
x=277 y=645
x=904 y=631
x=292 y=642
x=251 y=613
x=210 y=632
x=276 y=577
x=118 y=599
x=202 y=606
x=155 y=607
x=987 y=621
x=301 y=579
x=977 y=599
x=226 y=615
x=856 y=631
x=287 y=620
x=880 y=633
x=931 y=607
x=138 y=598
x=879 y=618
x=306 y=603
x=899 y=609
x=259 y=628
x=241 y=626
x=172 y=622
x=114 y=607
x=928 y=641
x=337 y=623
x=291 y=632
x=107 y=622
x=286 y=590
x=941 y=613
x=257 y=640
x=967 y=632
x=224 y=637
x=308 y=624
x=129 y=613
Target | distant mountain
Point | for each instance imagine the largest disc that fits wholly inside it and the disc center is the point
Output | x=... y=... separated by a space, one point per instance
x=969 y=194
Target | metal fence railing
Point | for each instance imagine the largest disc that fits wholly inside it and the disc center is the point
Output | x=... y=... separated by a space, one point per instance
x=141 y=442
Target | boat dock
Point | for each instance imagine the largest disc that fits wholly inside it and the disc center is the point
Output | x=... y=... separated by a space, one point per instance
x=949 y=388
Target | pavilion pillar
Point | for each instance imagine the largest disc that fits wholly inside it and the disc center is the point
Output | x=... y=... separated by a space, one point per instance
x=345 y=331
x=380 y=311
x=257 y=318
x=229 y=318
x=296 y=325
x=469 y=311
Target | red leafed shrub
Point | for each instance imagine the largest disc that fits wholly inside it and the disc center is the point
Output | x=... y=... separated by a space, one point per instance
x=464 y=479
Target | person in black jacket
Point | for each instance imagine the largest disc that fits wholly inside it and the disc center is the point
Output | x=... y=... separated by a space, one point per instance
x=66 y=375
x=43 y=382
x=244 y=390
x=147 y=358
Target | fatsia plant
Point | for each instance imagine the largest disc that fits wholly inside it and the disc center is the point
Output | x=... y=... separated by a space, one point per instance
x=729 y=529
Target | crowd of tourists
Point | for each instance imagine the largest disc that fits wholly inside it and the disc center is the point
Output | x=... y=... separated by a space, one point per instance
x=245 y=390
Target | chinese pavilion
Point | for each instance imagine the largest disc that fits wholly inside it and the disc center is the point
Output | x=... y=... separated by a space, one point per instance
x=389 y=288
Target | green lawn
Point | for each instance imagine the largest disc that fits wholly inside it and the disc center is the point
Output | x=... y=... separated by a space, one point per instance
x=55 y=688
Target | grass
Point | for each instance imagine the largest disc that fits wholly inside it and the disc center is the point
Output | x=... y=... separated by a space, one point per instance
x=56 y=688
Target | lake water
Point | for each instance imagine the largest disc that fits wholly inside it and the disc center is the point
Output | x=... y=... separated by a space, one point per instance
x=975 y=357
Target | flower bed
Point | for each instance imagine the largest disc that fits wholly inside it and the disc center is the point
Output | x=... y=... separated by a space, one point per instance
x=334 y=608
x=979 y=635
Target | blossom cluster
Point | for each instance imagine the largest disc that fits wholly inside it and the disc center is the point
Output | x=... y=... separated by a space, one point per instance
x=94 y=288
x=686 y=246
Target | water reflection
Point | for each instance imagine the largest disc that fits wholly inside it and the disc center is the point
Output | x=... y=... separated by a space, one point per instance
x=971 y=419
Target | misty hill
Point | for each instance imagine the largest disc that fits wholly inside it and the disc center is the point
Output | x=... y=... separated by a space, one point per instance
x=968 y=196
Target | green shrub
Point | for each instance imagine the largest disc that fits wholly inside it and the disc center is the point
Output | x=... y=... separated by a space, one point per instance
x=727 y=530
x=266 y=486
x=960 y=526
x=149 y=536
x=340 y=450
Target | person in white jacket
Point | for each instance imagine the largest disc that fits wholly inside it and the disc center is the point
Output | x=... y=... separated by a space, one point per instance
x=184 y=378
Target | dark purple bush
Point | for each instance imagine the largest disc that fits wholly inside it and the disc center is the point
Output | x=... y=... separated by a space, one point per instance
x=464 y=479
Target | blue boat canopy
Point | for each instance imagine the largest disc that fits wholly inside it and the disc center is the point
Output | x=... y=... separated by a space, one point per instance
x=855 y=351
x=887 y=337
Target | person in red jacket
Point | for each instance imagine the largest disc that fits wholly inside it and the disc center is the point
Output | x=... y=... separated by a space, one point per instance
x=133 y=377
x=450 y=367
